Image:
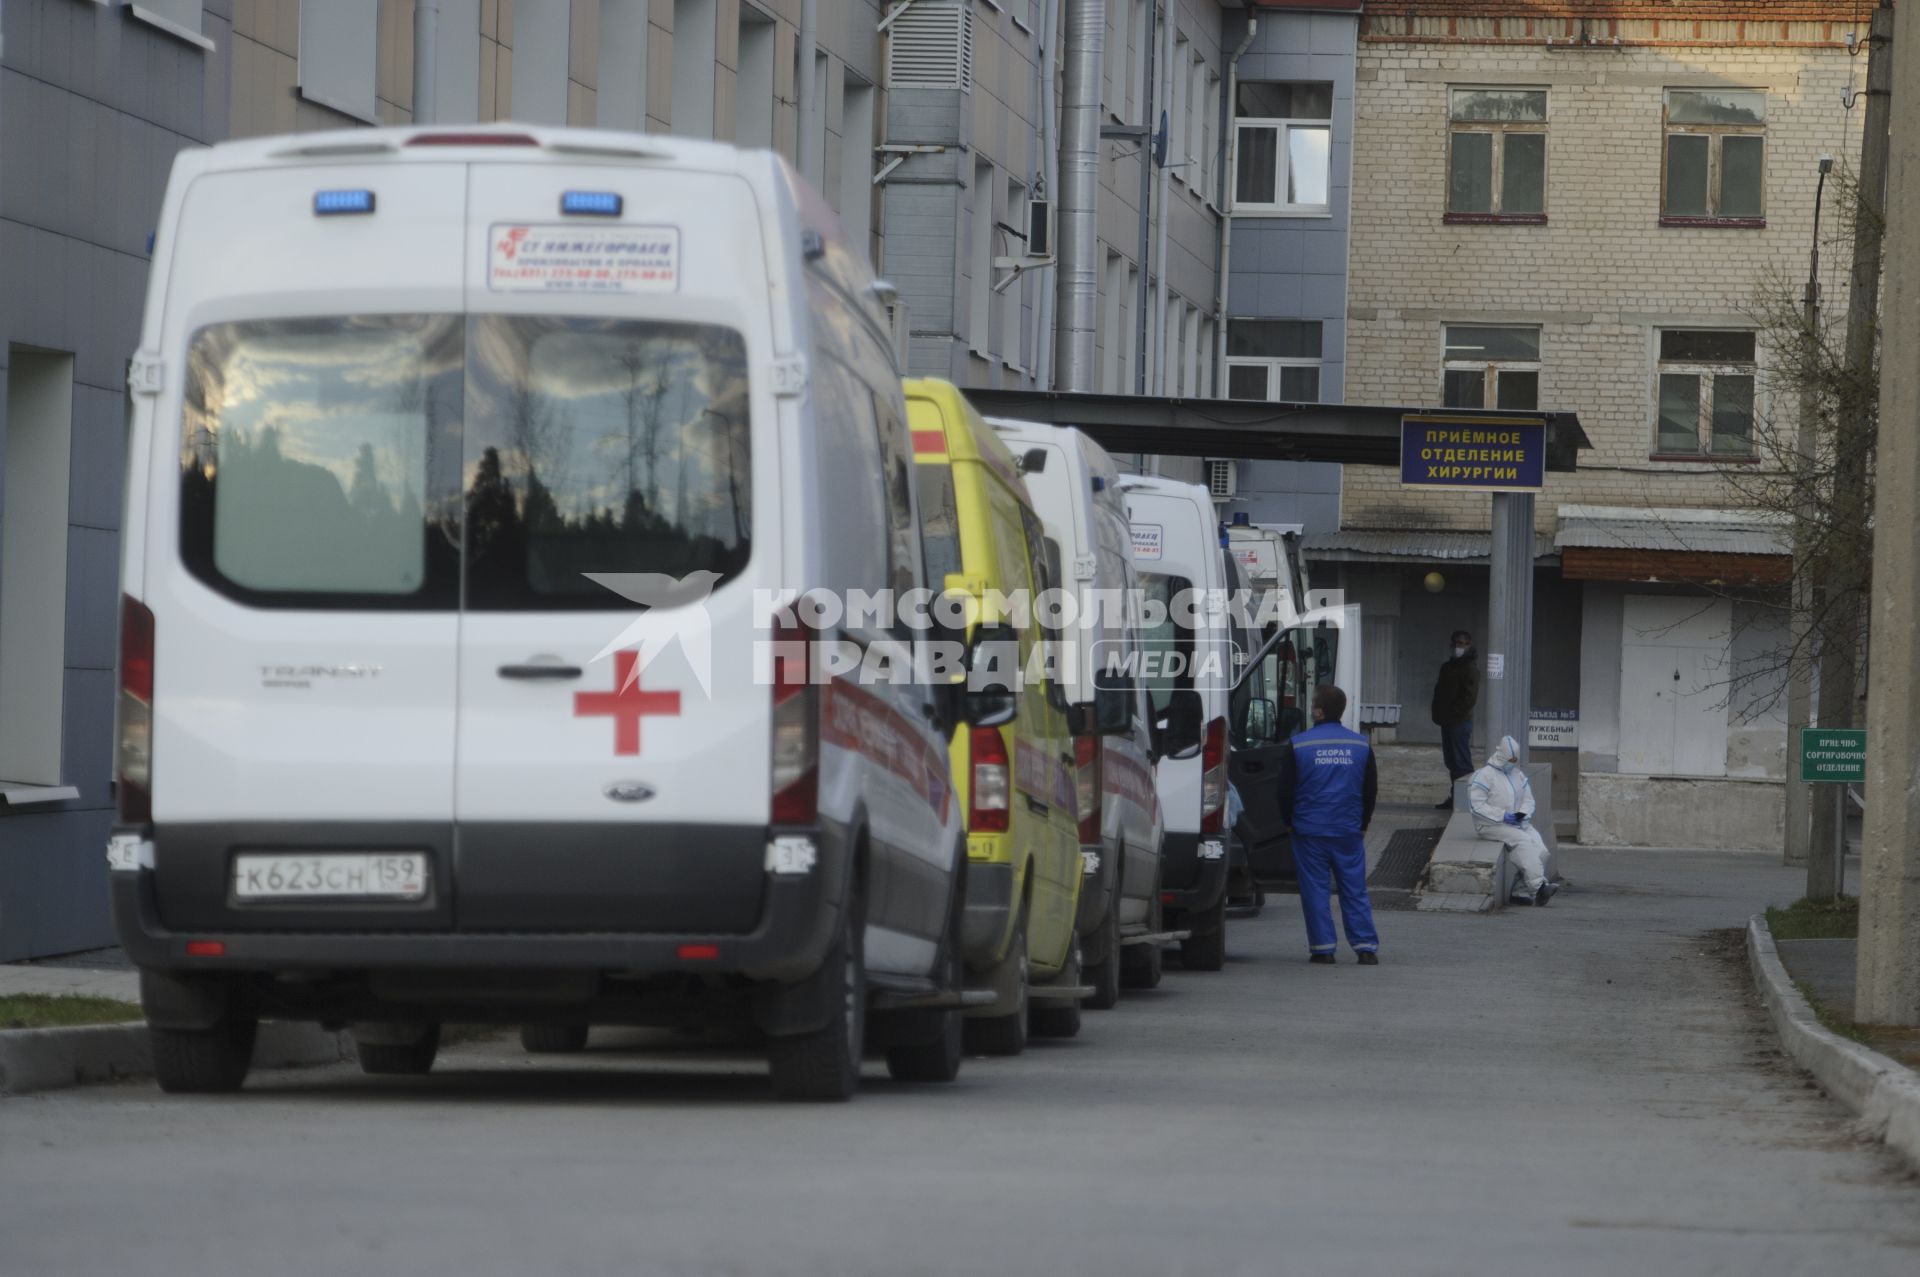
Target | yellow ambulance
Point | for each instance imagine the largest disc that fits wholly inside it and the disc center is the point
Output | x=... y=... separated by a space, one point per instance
x=1012 y=751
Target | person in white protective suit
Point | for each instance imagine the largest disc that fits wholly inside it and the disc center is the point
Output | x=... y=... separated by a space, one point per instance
x=1502 y=800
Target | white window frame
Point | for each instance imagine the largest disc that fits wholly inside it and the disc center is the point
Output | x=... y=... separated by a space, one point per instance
x=1283 y=127
x=1708 y=372
x=1490 y=389
x=1499 y=130
x=1716 y=134
x=1272 y=366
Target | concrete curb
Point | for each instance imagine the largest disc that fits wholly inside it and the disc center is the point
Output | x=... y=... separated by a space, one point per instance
x=49 y=1059
x=1884 y=1093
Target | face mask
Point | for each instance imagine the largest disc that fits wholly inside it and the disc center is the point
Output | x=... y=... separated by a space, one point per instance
x=1459 y=651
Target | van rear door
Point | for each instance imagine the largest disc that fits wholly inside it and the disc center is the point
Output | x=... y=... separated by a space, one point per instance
x=301 y=560
x=619 y=484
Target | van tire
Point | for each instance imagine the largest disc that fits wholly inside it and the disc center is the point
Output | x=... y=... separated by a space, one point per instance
x=934 y=1042
x=824 y=1065
x=553 y=1039
x=1006 y=1032
x=1104 y=975
x=399 y=1058
x=1141 y=964
x=203 y=1061
x=1054 y=1019
x=1206 y=948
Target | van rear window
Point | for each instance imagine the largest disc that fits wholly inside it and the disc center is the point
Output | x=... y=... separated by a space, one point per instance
x=351 y=462
x=602 y=446
x=939 y=522
x=319 y=460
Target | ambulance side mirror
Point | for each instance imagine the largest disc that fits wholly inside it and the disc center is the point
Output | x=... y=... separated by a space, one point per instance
x=1081 y=719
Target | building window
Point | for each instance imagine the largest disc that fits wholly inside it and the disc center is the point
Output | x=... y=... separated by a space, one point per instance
x=980 y=294
x=1210 y=142
x=1113 y=325
x=1205 y=388
x=179 y=18
x=1134 y=54
x=1275 y=359
x=1013 y=297
x=1283 y=142
x=856 y=166
x=1129 y=358
x=1497 y=155
x=753 y=83
x=1489 y=367
x=1716 y=158
x=339 y=56
x=1705 y=393
x=1178 y=143
x=693 y=55
x=38 y=444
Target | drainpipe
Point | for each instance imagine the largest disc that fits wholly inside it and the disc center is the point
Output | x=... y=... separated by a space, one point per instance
x=426 y=20
x=1148 y=123
x=1050 y=173
x=1166 y=197
x=1078 y=277
x=1225 y=254
x=808 y=89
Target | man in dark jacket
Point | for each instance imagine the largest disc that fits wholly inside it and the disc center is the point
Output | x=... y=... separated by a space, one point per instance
x=1328 y=785
x=1454 y=695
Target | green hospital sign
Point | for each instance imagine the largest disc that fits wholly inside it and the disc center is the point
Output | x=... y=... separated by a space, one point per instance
x=1833 y=754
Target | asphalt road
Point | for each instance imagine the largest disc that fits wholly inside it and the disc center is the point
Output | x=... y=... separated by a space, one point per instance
x=1585 y=1088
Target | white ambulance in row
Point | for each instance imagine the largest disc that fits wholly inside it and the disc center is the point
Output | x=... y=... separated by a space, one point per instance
x=462 y=465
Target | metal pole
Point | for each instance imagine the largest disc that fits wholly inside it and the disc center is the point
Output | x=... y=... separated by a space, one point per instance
x=1509 y=658
x=426 y=21
x=1078 y=277
x=1151 y=125
x=1847 y=565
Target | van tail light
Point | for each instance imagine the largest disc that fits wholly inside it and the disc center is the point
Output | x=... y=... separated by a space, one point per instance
x=1086 y=787
x=990 y=793
x=796 y=729
x=133 y=766
x=1213 y=779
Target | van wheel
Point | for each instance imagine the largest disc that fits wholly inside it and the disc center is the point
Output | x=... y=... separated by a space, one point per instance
x=1206 y=948
x=1104 y=975
x=1005 y=1032
x=203 y=1061
x=929 y=1045
x=1058 y=1019
x=1141 y=964
x=825 y=1064
x=553 y=1039
x=399 y=1054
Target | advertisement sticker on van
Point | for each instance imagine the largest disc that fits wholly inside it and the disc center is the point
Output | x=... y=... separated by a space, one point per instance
x=1147 y=539
x=527 y=258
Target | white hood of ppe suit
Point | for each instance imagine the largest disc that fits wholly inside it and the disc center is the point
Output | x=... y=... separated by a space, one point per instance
x=1501 y=786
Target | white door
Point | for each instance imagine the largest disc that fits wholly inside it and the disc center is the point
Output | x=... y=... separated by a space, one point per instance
x=1673 y=693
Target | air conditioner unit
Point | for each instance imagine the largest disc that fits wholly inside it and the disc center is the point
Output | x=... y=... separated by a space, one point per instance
x=1040 y=228
x=1222 y=479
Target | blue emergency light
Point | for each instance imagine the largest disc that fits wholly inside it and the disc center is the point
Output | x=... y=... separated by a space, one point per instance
x=336 y=203
x=590 y=204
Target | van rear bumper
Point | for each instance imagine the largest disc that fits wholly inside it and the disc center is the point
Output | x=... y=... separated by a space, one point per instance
x=1189 y=882
x=791 y=919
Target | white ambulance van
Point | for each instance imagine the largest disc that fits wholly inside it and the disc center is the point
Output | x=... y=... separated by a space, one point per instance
x=466 y=470
x=1189 y=658
x=1075 y=487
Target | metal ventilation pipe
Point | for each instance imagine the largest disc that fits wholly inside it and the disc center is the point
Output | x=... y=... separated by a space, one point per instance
x=1078 y=273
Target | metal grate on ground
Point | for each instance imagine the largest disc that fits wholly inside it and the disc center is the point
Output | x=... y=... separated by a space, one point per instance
x=1391 y=884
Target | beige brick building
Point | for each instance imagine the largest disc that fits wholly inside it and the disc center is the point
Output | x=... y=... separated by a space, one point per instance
x=1578 y=206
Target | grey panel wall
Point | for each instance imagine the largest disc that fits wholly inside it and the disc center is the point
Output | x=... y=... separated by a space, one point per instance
x=1295 y=267
x=93 y=106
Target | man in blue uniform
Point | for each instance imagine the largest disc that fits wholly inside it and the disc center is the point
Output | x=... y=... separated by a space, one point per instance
x=1327 y=789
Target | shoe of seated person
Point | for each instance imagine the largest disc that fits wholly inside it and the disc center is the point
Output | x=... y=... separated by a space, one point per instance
x=1547 y=892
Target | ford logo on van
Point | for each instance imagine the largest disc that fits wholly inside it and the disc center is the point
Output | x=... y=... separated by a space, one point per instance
x=628 y=791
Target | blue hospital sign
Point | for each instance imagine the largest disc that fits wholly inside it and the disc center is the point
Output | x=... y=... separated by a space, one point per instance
x=1442 y=450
